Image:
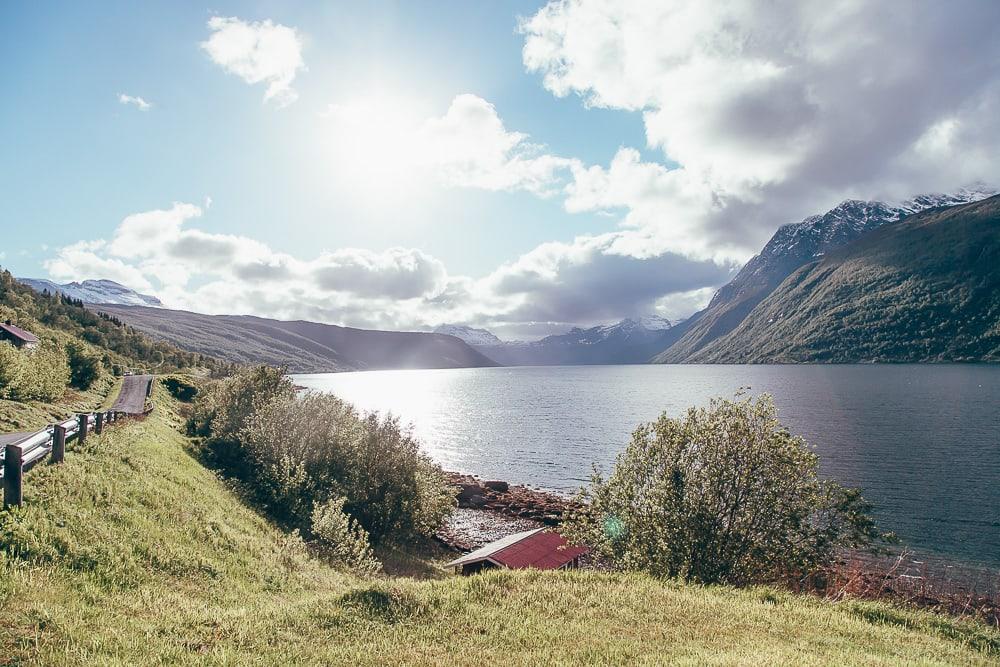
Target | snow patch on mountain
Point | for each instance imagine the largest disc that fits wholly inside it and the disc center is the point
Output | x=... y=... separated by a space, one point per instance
x=94 y=291
x=470 y=335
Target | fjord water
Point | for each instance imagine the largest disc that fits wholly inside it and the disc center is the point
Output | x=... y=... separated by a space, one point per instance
x=923 y=441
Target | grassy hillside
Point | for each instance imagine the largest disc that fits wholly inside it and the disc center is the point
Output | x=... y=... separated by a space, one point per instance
x=132 y=553
x=301 y=347
x=926 y=289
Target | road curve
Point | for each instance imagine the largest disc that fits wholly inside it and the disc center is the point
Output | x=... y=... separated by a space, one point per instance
x=132 y=397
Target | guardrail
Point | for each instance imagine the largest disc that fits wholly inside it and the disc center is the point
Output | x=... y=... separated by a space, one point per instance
x=26 y=453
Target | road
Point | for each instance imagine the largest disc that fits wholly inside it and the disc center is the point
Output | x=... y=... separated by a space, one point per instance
x=132 y=397
x=11 y=438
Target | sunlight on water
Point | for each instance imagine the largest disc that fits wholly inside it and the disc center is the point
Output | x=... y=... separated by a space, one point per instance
x=923 y=441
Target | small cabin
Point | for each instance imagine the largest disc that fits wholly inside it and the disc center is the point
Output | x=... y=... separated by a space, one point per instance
x=17 y=336
x=541 y=549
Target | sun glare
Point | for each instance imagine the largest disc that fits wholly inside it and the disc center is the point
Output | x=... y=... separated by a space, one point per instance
x=373 y=143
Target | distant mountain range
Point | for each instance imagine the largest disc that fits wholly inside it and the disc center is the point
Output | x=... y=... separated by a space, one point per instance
x=791 y=247
x=631 y=341
x=302 y=347
x=94 y=291
x=865 y=281
x=923 y=289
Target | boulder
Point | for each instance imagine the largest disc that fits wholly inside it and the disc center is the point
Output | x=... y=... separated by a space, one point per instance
x=498 y=486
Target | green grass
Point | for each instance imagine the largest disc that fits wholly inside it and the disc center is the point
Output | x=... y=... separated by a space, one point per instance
x=132 y=553
x=34 y=415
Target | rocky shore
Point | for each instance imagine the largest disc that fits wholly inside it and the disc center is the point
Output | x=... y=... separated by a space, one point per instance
x=491 y=509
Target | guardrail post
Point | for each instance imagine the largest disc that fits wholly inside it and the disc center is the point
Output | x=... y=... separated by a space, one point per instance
x=84 y=424
x=58 y=443
x=12 y=476
x=99 y=423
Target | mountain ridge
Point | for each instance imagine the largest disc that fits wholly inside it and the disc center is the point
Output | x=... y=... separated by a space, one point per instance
x=792 y=246
x=299 y=346
x=925 y=288
x=94 y=291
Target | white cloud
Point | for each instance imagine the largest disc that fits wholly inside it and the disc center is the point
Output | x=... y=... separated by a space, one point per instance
x=591 y=279
x=258 y=52
x=775 y=110
x=382 y=145
x=135 y=101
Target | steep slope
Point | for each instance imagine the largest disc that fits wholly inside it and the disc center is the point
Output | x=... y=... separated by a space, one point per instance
x=631 y=341
x=924 y=289
x=302 y=347
x=791 y=247
x=94 y=291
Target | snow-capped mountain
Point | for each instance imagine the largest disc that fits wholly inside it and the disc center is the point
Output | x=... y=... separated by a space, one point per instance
x=794 y=245
x=94 y=291
x=470 y=335
x=629 y=341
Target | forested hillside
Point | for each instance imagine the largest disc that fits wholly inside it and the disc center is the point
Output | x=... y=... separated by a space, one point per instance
x=924 y=289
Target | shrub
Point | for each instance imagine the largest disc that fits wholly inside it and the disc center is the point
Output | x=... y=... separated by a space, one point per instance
x=84 y=366
x=181 y=387
x=295 y=453
x=41 y=374
x=344 y=541
x=724 y=495
x=13 y=370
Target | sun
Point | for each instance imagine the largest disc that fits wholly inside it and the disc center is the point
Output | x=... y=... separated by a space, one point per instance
x=373 y=144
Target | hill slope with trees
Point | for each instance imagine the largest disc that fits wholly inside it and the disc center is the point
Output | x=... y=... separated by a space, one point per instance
x=923 y=289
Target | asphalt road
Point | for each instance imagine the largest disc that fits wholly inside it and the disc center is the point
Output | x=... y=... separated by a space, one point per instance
x=132 y=397
x=11 y=438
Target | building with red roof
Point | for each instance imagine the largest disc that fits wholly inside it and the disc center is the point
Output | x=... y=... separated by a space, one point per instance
x=540 y=548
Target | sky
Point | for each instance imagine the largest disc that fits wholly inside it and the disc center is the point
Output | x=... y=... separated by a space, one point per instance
x=522 y=166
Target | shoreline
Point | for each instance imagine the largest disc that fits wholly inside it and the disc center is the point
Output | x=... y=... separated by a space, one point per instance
x=490 y=509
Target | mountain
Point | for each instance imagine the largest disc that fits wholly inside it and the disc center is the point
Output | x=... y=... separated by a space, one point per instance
x=631 y=341
x=470 y=335
x=923 y=289
x=302 y=347
x=792 y=246
x=94 y=291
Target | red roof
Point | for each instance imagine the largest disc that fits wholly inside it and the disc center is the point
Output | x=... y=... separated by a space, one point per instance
x=540 y=548
x=18 y=332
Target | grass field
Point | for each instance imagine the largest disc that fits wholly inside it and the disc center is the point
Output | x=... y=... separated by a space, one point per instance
x=132 y=553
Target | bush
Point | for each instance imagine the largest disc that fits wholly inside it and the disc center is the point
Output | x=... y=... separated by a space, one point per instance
x=344 y=541
x=724 y=495
x=13 y=370
x=84 y=366
x=41 y=374
x=297 y=453
x=181 y=387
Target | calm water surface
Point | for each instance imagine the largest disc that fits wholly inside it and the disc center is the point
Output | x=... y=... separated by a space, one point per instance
x=923 y=441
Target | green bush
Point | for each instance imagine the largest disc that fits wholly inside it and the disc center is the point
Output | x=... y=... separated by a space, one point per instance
x=84 y=366
x=39 y=374
x=181 y=387
x=724 y=495
x=296 y=453
x=344 y=541
x=13 y=370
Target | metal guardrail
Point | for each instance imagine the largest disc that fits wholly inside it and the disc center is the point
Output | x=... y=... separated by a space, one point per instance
x=33 y=448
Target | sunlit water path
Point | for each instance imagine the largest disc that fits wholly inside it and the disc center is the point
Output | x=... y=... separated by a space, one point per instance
x=923 y=441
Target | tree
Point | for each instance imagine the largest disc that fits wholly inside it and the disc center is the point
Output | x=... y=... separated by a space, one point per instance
x=724 y=495
x=84 y=366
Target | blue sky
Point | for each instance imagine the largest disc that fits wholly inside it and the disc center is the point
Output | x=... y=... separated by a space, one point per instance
x=209 y=134
x=422 y=163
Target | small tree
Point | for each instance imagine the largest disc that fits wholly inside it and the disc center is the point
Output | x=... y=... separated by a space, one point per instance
x=724 y=495
x=84 y=366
